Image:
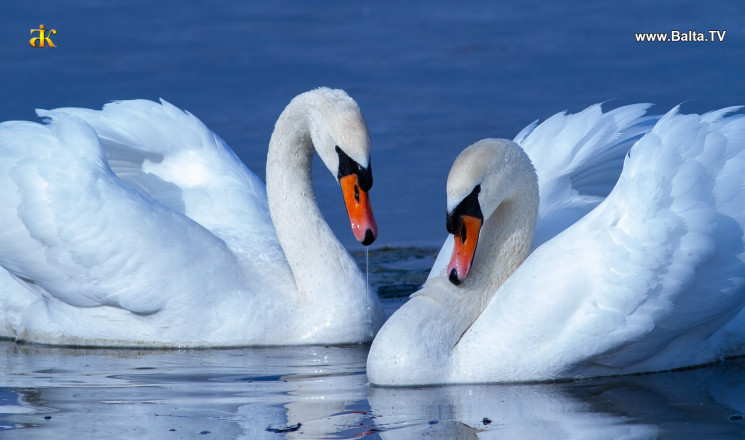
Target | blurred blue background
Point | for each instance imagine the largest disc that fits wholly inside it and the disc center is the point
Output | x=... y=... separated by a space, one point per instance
x=431 y=77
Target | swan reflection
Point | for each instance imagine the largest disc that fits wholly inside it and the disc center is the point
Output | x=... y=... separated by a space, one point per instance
x=322 y=392
x=647 y=406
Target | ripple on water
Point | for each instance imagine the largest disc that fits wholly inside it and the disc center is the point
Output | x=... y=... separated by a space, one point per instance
x=397 y=272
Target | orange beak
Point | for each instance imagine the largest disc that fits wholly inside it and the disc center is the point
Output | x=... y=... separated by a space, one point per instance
x=464 y=249
x=358 y=207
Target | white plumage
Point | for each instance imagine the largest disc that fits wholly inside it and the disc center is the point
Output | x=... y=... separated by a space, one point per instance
x=136 y=225
x=651 y=278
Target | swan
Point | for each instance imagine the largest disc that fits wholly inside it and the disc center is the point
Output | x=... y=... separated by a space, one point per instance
x=136 y=225
x=652 y=278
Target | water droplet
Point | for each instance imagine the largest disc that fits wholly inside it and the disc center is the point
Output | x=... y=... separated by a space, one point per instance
x=367 y=273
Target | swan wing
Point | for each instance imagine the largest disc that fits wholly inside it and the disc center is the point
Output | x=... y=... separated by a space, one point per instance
x=578 y=158
x=72 y=231
x=647 y=281
x=171 y=156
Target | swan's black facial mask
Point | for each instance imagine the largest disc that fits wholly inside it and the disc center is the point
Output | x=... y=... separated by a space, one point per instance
x=468 y=206
x=348 y=166
x=464 y=222
x=355 y=182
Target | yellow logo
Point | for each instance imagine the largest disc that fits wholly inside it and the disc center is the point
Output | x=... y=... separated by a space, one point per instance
x=44 y=39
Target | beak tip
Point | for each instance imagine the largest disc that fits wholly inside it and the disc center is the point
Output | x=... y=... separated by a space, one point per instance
x=453 y=277
x=369 y=238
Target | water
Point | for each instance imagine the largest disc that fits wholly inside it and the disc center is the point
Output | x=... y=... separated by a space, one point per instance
x=58 y=393
x=431 y=77
x=63 y=393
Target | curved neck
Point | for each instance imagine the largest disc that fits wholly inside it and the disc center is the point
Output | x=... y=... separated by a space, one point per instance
x=325 y=274
x=505 y=241
x=426 y=330
x=304 y=235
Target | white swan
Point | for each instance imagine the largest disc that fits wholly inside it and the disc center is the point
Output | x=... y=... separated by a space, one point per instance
x=653 y=278
x=147 y=230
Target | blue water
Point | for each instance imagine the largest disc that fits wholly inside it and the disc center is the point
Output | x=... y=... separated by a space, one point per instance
x=431 y=78
x=322 y=392
x=57 y=393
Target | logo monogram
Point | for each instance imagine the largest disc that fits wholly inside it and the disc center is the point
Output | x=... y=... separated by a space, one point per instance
x=42 y=40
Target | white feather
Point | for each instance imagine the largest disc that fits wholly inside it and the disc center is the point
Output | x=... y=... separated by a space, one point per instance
x=653 y=278
x=136 y=225
x=578 y=158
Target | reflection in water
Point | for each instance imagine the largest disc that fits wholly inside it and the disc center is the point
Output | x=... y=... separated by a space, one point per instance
x=96 y=393
x=58 y=393
x=322 y=392
x=701 y=403
x=492 y=411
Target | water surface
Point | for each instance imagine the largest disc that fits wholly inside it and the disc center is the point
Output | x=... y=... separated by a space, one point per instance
x=431 y=77
x=322 y=392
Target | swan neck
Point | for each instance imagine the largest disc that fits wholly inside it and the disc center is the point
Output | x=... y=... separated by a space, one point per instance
x=328 y=282
x=320 y=264
x=297 y=220
x=505 y=238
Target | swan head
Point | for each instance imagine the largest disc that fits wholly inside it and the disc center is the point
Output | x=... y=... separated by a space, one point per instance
x=483 y=176
x=339 y=134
